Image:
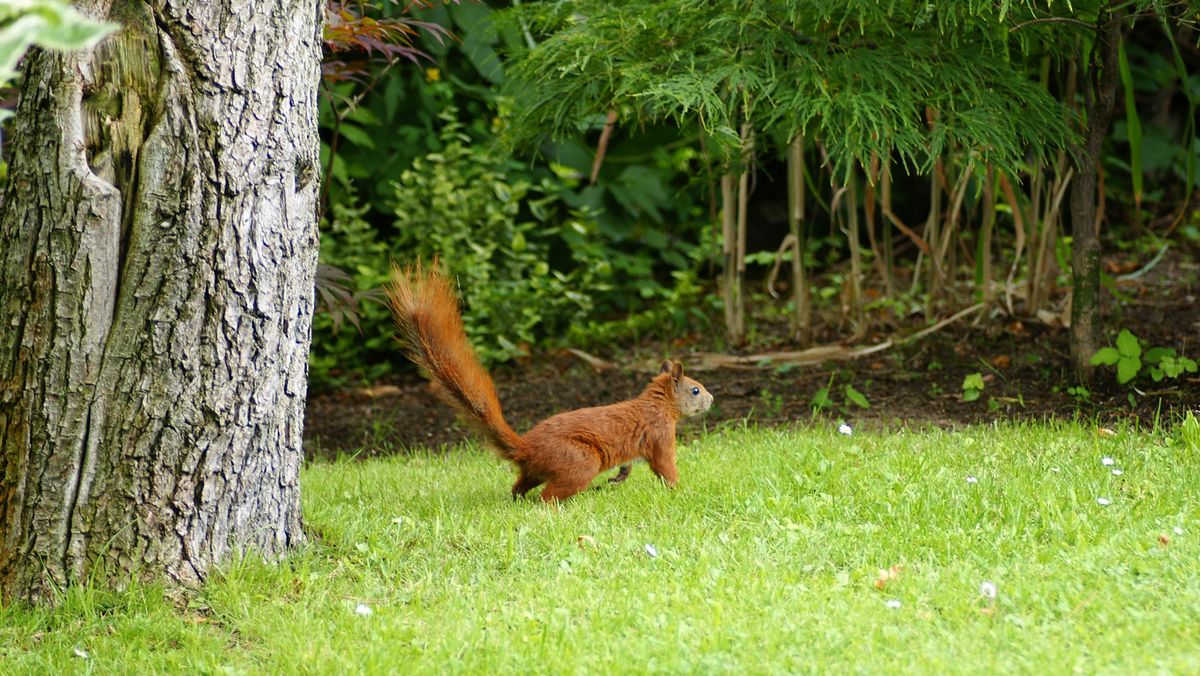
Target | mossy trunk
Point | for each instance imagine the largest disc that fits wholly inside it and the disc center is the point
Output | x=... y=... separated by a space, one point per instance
x=1085 y=235
x=157 y=254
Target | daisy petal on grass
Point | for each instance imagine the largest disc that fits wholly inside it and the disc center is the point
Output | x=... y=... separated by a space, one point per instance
x=651 y=550
x=845 y=429
x=987 y=589
x=972 y=479
x=1107 y=461
x=1117 y=472
x=1103 y=502
x=1178 y=530
x=893 y=603
x=363 y=610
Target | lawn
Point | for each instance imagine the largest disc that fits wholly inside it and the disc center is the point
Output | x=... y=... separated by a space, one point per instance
x=780 y=551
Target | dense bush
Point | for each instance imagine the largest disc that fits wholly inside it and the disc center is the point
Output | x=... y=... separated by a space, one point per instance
x=535 y=265
x=495 y=228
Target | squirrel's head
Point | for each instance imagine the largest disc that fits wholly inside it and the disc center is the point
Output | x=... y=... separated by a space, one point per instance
x=690 y=396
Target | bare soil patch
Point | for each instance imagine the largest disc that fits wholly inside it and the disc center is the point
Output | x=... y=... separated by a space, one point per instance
x=1025 y=365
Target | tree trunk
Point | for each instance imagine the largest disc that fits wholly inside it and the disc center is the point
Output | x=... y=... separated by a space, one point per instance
x=157 y=253
x=1085 y=237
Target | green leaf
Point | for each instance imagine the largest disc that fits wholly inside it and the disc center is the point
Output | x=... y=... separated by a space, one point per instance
x=973 y=381
x=971 y=394
x=1127 y=369
x=1133 y=125
x=856 y=397
x=1127 y=345
x=356 y=135
x=1105 y=356
x=1156 y=354
x=820 y=400
x=1189 y=432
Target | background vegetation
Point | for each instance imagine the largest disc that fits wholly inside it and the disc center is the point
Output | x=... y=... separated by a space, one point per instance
x=597 y=174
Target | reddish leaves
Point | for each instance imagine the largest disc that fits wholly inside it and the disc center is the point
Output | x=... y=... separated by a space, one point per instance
x=353 y=40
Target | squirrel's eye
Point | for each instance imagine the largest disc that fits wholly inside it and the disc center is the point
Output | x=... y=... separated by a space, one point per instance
x=695 y=391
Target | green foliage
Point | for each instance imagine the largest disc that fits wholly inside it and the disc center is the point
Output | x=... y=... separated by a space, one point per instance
x=824 y=400
x=1133 y=125
x=972 y=386
x=855 y=397
x=1080 y=393
x=1126 y=356
x=1188 y=434
x=339 y=355
x=493 y=228
x=858 y=75
x=1129 y=358
x=1164 y=362
x=51 y=24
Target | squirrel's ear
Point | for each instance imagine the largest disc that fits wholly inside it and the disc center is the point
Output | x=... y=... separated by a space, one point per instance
x=665 y=366
x=676 y=371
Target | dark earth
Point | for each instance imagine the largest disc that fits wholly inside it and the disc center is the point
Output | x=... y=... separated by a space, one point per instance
x=1024 y=363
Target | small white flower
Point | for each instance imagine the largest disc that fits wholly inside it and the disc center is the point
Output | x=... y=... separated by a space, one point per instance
x=1117 y=472
x=81 y=653
x=845 y=429
x=1107 y=461
x=1178 y=530
x=651 y=550
x=988 y=589
x=1103 y=501
x=893 y=603
x=363 y=610
x=972 y=480
x=1055 y=470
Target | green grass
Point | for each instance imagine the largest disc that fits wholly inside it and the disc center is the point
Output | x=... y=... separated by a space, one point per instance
x=767 y=555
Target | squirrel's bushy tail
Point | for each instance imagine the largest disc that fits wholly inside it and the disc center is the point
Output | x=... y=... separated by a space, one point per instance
x=430 y=327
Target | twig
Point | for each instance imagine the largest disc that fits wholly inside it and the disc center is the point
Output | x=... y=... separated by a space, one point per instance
x=602 y=145
x=707 y=361
x=1147 y=267
x=942 y=324
x=1052 y=19
x=595 y=362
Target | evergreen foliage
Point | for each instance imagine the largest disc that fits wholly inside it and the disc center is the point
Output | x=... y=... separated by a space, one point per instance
x=910 y=78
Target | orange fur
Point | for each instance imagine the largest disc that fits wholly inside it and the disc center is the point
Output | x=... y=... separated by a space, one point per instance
x=566 y=451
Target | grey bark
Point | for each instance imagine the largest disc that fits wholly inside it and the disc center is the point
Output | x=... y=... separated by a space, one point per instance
x=157 y=254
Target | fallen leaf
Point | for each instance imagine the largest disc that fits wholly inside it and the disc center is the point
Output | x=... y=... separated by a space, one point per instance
x=379 y=391
x=585 y=541
x=1163 y=540
x=1001 y=361
x=887 y=575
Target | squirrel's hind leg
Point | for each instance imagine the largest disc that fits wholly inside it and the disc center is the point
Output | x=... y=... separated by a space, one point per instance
x=571 y=476
x=622 y=473
x=525 y=483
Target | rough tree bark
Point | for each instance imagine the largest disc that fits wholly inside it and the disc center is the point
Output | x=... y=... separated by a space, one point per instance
x=1100 y=94
x=157 y=253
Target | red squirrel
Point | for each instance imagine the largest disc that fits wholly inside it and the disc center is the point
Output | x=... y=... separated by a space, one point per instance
x=565 y=451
